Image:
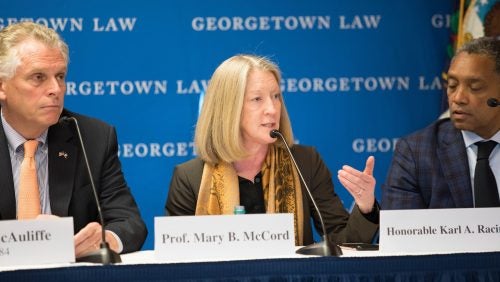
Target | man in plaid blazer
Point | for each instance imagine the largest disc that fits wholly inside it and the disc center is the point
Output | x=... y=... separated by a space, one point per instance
x=432 y=168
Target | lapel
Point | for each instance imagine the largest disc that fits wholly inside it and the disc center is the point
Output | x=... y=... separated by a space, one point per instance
x=62 y=156
x=453 y=160
x=7 y=194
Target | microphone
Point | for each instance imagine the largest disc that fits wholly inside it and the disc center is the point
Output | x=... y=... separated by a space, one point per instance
x=492 y=102
x=104 y=255
x=323 y=248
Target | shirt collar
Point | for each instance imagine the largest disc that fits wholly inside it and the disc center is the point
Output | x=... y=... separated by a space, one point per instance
x=14 y=139
x=470 y=138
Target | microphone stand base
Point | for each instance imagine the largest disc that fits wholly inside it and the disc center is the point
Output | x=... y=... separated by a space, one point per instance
x=320 y=249
x=104 y=255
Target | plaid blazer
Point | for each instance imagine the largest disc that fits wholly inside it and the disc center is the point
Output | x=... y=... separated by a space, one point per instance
x=429 y=170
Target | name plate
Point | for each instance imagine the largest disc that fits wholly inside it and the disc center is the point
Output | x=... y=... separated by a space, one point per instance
x=440 y=230
x=36 y=241
x=223 y=237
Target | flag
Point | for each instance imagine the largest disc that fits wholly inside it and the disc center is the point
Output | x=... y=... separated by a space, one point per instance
x=482 y=18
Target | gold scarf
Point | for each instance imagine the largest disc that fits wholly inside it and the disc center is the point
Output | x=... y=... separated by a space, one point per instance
x=280 y=182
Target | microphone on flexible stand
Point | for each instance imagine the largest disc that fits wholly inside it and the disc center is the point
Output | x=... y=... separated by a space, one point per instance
x=104 y=255
x=323 y=248
x=492 y=102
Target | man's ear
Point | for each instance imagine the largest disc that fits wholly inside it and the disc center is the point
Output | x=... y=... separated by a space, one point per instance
x=2 y=90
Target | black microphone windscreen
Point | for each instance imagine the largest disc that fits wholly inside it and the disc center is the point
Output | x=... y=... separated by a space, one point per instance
x=64 y=119
x=274 y=133
x=492 y=102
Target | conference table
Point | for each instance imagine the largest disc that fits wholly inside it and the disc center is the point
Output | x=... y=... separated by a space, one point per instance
x=352 y=266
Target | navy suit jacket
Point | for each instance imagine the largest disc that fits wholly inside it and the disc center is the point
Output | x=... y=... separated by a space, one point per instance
x=70 y=192
x=429 y=170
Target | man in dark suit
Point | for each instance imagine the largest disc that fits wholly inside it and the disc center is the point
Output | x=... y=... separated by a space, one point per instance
x=33 y=66
x=434 y=167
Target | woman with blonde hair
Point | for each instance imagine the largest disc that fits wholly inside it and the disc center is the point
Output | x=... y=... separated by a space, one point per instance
x=239 y=163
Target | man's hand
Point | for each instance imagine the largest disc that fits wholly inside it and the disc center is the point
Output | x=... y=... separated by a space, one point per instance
x=89 y=239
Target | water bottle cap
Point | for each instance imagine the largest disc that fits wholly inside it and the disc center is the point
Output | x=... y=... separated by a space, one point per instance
x=239 y=209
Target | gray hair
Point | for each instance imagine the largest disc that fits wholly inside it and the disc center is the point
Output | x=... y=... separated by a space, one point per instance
x=13 y=35
x=487 y=46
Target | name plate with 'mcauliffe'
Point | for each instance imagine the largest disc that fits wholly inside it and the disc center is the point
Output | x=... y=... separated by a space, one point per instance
x=433 y=231
x=38 y=241
x=224 y=237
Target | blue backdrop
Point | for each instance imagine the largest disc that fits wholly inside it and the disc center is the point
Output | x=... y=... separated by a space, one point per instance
x=357 y=75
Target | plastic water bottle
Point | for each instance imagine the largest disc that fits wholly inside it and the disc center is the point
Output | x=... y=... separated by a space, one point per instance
x=239 y=209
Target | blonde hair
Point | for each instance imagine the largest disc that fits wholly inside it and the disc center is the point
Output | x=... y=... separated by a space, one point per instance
x=13 y=35
x=217 y=135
